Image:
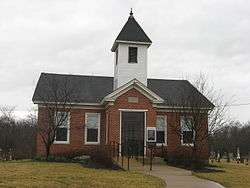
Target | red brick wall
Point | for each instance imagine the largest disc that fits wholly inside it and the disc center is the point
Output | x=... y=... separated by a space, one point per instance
x=77 y=130
x=77 y=121
x=122 y=103
x=174 y=146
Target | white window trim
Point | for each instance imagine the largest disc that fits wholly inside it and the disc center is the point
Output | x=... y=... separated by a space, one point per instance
x=85 y=129
x=154 y=129
x=186 y=144
x=166 y=132
x=68 y=133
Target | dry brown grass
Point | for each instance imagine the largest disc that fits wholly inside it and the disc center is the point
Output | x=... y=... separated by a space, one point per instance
x=43 y=174
x=231 y=175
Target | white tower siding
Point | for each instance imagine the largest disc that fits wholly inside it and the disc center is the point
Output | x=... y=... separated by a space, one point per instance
x=125 y=71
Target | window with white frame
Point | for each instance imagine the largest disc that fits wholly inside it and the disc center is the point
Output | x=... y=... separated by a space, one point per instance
x=92 y=128
x=62 y=131
x=161 y=129
x=187 y=130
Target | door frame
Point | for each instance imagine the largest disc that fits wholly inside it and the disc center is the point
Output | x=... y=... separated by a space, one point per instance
x=145 y=125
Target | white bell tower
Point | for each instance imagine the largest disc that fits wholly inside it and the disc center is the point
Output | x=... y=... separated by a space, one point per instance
x=130 y=59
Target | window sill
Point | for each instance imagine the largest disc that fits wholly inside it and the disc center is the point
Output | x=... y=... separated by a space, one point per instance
x=191 y=145
x=160 y=144
x=92 y=143
x=61 y=142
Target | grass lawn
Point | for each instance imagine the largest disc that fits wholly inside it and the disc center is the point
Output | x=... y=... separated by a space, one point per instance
x=43 y=174
x=230 y=175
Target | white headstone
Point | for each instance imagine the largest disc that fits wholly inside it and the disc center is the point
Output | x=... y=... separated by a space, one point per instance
x=238 y=153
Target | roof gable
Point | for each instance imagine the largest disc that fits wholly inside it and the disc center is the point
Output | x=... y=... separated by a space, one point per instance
x=136 y=85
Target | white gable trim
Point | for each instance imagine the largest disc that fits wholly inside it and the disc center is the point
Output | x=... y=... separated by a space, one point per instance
x=136 y=85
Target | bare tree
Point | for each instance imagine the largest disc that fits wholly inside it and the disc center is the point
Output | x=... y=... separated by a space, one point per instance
x=232 y=136
x=32 y=117
x=24 y=139
x=195 y=113
x=217 y=117
x=56 y=102
x=7 y=112
x=7 y=128
x=17 y=137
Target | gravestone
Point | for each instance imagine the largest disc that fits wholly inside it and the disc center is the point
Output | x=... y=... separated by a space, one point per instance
x=218 y=157
x=231 y=155
x=238 y=155
x=212 y=156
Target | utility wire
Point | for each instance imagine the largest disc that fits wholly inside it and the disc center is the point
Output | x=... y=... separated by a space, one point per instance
x=233 y=105
x=240 y=104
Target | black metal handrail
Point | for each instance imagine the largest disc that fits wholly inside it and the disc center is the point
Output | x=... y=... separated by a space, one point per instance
x=118 y=151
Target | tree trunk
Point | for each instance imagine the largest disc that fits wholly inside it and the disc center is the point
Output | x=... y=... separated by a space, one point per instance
x=228 y=157
x=194 y=157
x=47 y=151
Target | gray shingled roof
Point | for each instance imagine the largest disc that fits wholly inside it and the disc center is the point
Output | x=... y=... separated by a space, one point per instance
x=92 y=89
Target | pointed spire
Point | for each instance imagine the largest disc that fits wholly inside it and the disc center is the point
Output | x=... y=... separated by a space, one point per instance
x=131 y=12
x=131 y=31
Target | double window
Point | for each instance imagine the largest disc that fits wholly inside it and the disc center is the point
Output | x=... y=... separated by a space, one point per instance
x=92 y=128
x=62 y=131
x=132 y=54
x=187 y=130
x=161 y=127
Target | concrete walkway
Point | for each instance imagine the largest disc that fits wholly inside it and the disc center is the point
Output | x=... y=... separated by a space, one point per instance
x=179 y=178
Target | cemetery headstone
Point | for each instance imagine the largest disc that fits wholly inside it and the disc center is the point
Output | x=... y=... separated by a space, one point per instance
x=238 y=155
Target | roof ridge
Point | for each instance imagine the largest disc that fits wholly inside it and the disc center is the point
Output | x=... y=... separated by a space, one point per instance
x=100 y=76
x=65 y=74
x=167 y=79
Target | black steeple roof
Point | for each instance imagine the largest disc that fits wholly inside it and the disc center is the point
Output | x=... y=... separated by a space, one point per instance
x=131 y=32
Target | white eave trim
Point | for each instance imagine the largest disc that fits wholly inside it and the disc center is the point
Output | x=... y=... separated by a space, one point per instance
x=138 y=86
x=132 y=110
x=96 y=106
x=133 y=42
x=72 y=103
x=164 y=108
x=128 y=42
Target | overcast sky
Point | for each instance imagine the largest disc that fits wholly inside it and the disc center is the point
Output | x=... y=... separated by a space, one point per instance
x=72 y=36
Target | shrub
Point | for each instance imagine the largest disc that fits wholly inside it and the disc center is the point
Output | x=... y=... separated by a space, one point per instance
x=70 y=155
x=102 y=155
x=52 y=158
x=186 y=161
x=39 y=158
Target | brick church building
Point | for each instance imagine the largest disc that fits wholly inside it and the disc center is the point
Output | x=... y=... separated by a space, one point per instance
x=128 y=108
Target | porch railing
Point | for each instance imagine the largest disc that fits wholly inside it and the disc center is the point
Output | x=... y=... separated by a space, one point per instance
x=121 y=152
